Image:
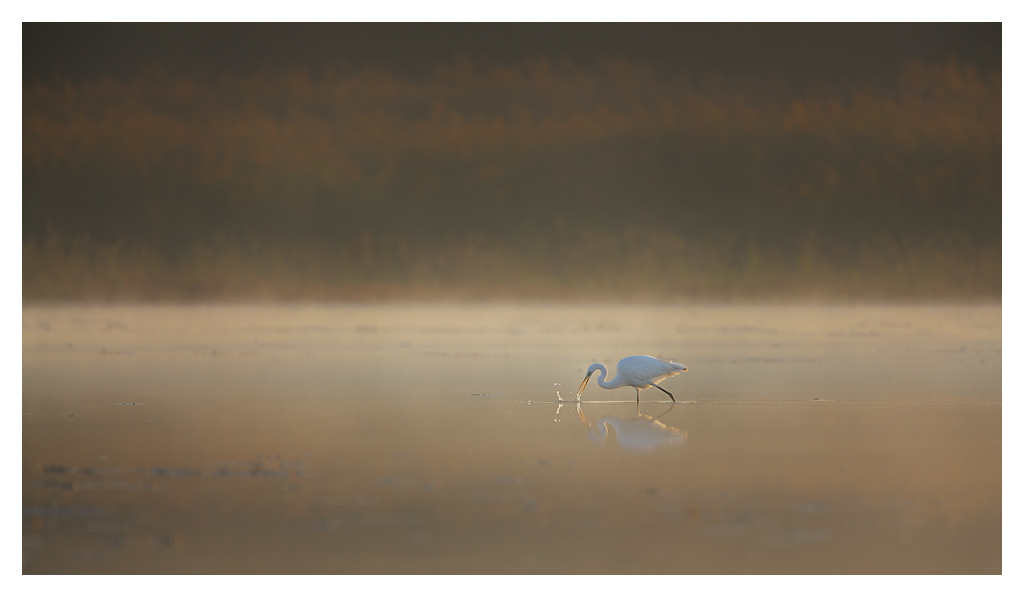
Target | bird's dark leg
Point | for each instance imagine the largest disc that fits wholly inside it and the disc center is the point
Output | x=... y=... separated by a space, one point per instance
x=663 y=390
x=637 y=396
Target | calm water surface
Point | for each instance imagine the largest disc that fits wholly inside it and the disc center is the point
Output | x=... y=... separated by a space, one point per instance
x=430 y=439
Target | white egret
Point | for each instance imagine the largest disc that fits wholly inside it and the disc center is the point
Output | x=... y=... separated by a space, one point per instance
x=640 y=372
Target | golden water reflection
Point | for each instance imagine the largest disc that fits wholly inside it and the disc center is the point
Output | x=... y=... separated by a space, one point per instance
x=420 y=439
x=640 y=433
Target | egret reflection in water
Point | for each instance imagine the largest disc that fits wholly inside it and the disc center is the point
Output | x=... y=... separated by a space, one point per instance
x=638 y=434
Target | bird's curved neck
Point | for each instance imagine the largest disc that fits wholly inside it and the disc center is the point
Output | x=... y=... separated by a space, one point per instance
x=608 y=385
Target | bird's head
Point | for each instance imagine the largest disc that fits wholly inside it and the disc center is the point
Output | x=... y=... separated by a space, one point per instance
x=579 y=392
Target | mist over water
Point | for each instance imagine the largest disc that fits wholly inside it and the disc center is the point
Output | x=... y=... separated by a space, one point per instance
x=430 y=439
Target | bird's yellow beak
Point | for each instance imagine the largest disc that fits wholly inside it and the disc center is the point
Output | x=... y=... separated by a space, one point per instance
x=583 y=385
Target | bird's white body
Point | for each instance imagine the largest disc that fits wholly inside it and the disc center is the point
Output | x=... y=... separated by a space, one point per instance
x=640 y=372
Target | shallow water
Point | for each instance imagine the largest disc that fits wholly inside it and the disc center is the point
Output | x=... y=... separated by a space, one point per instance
x=430 y=439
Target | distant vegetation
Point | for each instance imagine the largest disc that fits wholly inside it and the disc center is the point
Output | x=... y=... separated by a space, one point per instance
x=533 y=181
